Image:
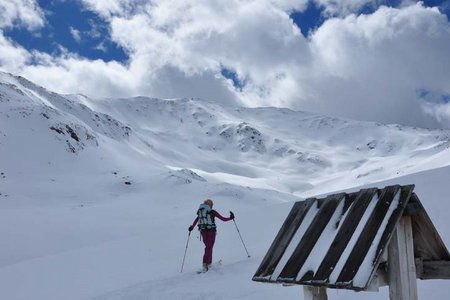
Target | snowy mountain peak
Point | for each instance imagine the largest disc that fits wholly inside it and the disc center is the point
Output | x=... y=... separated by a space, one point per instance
x=271 y=148
x=71 y=122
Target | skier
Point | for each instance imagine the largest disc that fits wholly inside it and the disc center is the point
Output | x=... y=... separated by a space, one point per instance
x=207 y=226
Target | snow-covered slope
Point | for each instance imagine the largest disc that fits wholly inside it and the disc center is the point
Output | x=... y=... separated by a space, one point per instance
x=293 y=152
x=270 y=148
x=96 y=195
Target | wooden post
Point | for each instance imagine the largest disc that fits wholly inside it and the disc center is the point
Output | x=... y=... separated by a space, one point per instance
x=401 y=264
x=315 y=292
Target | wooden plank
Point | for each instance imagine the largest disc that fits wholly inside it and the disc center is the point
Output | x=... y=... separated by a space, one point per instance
x=309 y=239
x=405 y=196
x=419 y=266
x=314 y=293
x=435 y=270
x=283 y=238
x=344 y=235
x=428 y=245
x=379 y=279
x=401 y=263
x=368 y=234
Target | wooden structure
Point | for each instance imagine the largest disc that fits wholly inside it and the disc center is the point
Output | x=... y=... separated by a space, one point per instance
x=358 y=241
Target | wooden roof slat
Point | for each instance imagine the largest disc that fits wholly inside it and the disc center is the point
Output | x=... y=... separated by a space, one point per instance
x=301 y=252
x=405 y=195
x=341 y=240
x=365 y=239
x=323 y=243
x=283 y=238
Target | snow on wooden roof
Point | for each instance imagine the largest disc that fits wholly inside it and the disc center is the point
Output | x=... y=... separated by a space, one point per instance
x=339 y=241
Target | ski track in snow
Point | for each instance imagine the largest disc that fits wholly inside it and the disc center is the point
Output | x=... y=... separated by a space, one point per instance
x=175 y=287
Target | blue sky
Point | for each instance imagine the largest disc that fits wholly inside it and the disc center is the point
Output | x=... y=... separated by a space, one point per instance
x=347 y=58
x=61 y=17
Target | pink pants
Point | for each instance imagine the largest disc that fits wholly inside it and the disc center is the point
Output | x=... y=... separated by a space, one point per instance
x=209 y=237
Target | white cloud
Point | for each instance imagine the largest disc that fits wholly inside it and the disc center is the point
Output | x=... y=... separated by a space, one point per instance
x=376 y=64
x=255 y=38
x=439 y=111
x=25 y=13
x=76 y=34
x=101 y=47
x=95 y=30
x=345 y=7
x=291 y=5
x=369 y=67
x=12 y=56
x=108 y=8
x=69 y=73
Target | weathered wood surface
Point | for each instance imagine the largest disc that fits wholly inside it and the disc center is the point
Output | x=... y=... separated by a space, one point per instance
x=372 y=227
x=344 y=235
x=309 y=239
x=334 y=221
x=314 y=293
x=428 y=245
x=405 y=196
x=401 y=263
x=283 y=238
x=433 y=269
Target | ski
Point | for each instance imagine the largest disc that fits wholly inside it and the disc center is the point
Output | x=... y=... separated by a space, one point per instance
x=211 y=267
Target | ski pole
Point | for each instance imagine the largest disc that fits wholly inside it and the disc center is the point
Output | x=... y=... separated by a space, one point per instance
x=248 y=255
x=185 y=251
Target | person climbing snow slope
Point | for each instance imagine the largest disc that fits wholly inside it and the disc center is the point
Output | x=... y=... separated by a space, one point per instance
x=207 y=226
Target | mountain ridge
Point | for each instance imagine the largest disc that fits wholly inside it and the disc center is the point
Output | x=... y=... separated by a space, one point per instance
x=301 y=150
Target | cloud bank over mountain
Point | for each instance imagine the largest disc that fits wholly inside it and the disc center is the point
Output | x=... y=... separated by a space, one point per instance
x=390 y=65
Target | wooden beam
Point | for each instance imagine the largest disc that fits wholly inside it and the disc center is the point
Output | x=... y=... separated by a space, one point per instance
x=282 y=240
x=315 y=292
x=419 y=267
x=401 y=263
x=433 y=270
x=428 y=245
x=378 y=280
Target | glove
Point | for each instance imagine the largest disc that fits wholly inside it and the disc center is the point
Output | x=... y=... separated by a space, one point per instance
x=190 y=228
x=231 y=215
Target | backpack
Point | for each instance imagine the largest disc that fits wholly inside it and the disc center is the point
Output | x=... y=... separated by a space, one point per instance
x=205 y=217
